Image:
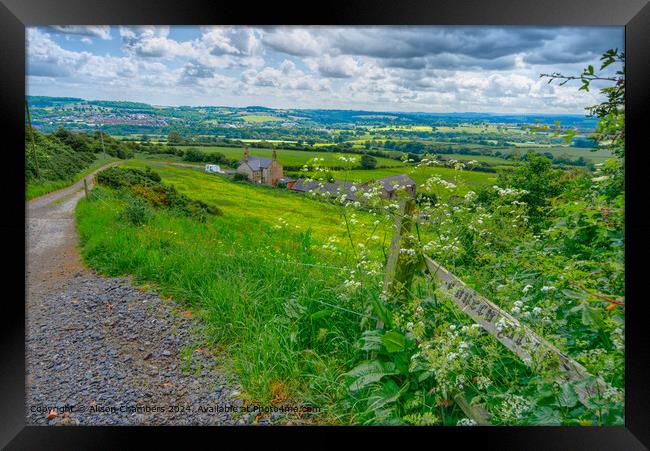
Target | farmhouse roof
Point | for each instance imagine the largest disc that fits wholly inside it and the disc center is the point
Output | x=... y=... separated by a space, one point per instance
x=394 y=180
x=257 y=163
x=333 y=188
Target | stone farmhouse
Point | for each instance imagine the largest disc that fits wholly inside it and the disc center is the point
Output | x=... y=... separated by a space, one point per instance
x=261 y=170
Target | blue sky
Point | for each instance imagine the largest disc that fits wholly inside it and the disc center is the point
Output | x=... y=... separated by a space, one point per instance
x=430 y=69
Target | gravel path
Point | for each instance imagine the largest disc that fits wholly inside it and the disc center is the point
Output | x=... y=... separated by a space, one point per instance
x=103 y=352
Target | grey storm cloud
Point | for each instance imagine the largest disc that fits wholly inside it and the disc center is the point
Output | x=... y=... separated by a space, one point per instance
x=88 y=31
x=413 y=47
x=194 y=70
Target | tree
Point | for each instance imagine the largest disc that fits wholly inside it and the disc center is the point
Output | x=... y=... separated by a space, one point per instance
x=611 y=127
x=537 y=176
x=368 y=162
x=174 y=138
x=610 y=131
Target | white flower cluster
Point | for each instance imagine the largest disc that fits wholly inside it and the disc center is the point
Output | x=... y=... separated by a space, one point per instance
x=618 y=338
x=466 y=422
x=282 y=223
x=509 y=191
x=482 y=382
x=349 y=159
x=331 y=243
x=429 y=161
x=436 y=180
x=513 y=407
x=457 y=165
x=470 y=196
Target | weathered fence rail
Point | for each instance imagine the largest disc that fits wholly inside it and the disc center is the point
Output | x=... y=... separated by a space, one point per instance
x=533 y=350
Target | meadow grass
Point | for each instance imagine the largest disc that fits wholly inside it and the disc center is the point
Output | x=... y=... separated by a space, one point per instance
x=293 y=157
x=36 y=188
x=267 y=294
x=272 y=206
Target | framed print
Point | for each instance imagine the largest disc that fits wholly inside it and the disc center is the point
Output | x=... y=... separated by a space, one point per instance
x=411 y=218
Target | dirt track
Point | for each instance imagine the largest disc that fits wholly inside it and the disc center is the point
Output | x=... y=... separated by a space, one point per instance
x=106 y=350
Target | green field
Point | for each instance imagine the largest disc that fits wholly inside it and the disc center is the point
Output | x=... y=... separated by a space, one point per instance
x=261 y=118
x=244 y=200
x=575 y=152
x=403 y=128
x=488 y=159
x=292 y=157
x=267 y=140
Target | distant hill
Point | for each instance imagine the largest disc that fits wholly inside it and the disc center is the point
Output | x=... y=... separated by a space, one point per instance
x=125 y=117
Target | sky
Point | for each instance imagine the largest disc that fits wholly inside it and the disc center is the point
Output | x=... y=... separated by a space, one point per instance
x=383 y=68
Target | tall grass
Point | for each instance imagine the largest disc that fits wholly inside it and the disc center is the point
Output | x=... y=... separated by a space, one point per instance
x=251 y=283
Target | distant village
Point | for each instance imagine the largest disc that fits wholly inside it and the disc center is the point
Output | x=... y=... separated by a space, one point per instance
x=269 y=171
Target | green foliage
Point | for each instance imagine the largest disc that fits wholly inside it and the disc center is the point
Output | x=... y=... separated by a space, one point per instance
x=610 y=130
x=174 y=138
x=368 y=162
x=194 y=155
x=59 y=159
x=137 y=211
x=146 y=185
x=239 y=177
x=540 y=181
x=55 y=159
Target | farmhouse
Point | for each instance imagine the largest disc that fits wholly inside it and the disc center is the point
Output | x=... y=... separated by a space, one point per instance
x=261 y=170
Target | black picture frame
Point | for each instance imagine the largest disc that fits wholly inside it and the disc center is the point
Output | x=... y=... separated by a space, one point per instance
x=15 y=15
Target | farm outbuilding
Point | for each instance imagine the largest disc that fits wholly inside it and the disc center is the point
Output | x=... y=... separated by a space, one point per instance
x=395 y=182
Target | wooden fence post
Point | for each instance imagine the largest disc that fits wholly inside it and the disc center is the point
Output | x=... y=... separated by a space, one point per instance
x=86 y=187
x=400 y=268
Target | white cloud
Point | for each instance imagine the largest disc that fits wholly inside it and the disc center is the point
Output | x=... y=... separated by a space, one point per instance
x=334 y=66
x=380 y=68
x=293 y=41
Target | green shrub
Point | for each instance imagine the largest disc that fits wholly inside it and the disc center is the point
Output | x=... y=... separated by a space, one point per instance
x=137 y=212
x=238 y=177
x=147 y=186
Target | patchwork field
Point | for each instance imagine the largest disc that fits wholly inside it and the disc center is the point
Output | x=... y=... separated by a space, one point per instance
x=261 y=118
